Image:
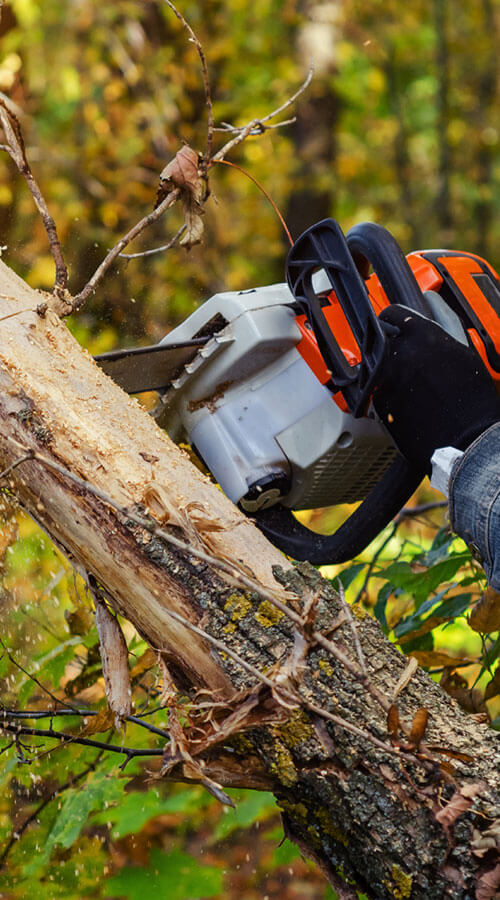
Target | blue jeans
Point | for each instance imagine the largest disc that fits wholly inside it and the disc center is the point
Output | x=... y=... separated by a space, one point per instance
x=474 y=499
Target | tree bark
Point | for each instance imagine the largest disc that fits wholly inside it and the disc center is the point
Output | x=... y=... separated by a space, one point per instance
x=384 y=816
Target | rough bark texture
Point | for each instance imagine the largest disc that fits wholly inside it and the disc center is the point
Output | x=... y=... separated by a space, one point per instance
x=386 y=818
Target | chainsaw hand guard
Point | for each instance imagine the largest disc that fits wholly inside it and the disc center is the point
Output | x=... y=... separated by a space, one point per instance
x=324 y=248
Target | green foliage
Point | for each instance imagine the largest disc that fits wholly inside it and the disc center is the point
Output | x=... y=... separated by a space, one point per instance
x=175 y=875
x=98 y=790
x=251 y=807
x=137 y=808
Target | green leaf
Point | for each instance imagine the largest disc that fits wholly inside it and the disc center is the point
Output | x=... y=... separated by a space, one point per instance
x=99 y=789
x=174 y=875
x=285 y=853
x=380 y=606
x=138 y=807
x=255 y=807
x=421 y=584
x=347 y=576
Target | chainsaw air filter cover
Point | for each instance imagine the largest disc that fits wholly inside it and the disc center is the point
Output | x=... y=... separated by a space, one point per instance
x=258 y=416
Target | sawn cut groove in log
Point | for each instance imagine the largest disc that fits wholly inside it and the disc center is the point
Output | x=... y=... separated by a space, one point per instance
x=383 y=818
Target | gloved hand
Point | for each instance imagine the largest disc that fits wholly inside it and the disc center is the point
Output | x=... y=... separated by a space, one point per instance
x=432 y=391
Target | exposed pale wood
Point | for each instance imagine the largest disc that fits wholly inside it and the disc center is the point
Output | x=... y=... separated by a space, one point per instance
x=56 y=399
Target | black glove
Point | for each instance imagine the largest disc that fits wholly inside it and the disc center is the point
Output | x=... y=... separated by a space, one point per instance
x=432 y=391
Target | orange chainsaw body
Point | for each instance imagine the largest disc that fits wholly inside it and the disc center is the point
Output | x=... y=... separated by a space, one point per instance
x=468 y=283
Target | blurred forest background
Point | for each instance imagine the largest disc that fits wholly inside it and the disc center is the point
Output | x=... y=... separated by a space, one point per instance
x=400 y=125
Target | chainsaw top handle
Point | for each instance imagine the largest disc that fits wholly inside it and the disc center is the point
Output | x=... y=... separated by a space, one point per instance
x=346 y=263
x=324 y=249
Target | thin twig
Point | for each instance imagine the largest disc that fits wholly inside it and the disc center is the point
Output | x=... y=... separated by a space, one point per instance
x=154 y=250
x=226 y=127
x=206 y=84
x=410 y=512
x=109 y=259
x=17 y=462
x=65 y=738
x=16 y=149
x=84 y=713
x=352 y=625
x=374 y=561
x=36 y=681
x=257 y=126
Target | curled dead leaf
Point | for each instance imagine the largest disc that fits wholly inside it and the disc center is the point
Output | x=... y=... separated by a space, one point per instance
x=493 y=687
x=488 y=883
x=459 y=803
x=484 y=841
x=393 y=720
x=104 y=720
x=470 y=699
x=183 y=172
x=419 y=725
x=485 y=617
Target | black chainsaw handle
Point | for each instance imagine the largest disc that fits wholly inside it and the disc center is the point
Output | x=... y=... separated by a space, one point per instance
x=383 y=502
x=372 y=244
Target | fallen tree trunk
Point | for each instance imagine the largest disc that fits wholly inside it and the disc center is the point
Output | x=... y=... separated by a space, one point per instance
x=305 y=712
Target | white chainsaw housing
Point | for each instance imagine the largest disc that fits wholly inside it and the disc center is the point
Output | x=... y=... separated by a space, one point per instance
x=255 y=412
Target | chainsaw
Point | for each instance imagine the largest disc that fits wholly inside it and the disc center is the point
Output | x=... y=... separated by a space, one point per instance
x=272 y=386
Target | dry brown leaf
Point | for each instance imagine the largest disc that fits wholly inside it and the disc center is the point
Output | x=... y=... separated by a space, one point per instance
x=419 y=725
x=493 y=687
x=439 y=658
x=460 y=802
x=488 y=883
x=487 y=840
x=485 y=617
x=470 y=699
x=393 y=720
x=114 y=657
x=183 y=172
x=147 y=661
x=104 y=720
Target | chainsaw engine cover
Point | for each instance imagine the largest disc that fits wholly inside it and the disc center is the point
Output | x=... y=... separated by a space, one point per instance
x=257 y=415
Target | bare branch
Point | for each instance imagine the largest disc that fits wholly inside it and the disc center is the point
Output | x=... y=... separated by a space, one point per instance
x=226 y=127
x=206 y=84
x=16 y=149
x=154 y=250
x=258 y=126
x=134 y=232
x=84 y=713
x=65 y=738
x=352 y=624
